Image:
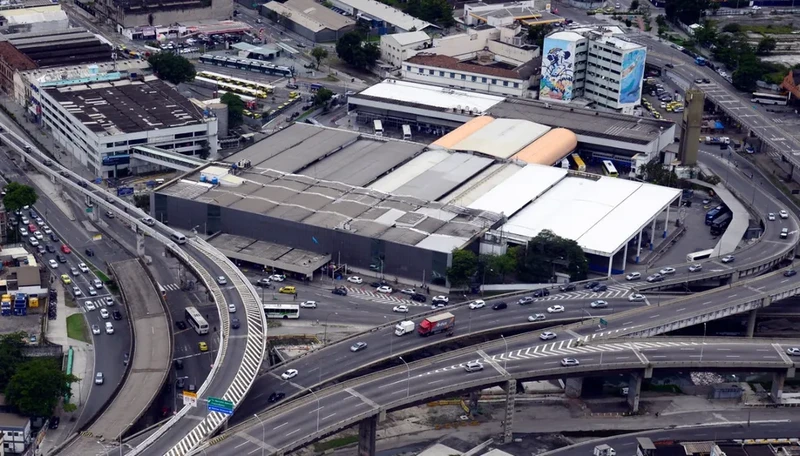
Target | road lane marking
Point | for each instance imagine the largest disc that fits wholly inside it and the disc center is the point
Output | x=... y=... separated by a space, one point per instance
x=655 y=316
x=709 y=302
x=734 y=295
x=782 y=354
x=724 y=349
x=316 y=410
x=242 y=444
x=627 y=323
x=732 y=356
x=280 y=426
x=435 y=381
x=326 y=417
x=658 y=356
x=293 y=432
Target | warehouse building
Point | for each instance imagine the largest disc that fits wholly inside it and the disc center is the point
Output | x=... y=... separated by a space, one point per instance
x=382 y=18
x=309 y=19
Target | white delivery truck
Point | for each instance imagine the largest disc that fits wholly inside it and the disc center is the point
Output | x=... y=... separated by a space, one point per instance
x=403 y=328
x=604 y=450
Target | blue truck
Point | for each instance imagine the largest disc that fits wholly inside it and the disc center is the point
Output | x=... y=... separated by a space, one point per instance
x=21 y=304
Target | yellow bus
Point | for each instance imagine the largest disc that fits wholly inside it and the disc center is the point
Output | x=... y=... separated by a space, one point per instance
x=578 y=162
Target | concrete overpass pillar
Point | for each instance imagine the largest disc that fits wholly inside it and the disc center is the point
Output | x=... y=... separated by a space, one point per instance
x=778 y=378
x=666 y=224
x=639 y=247
x=634 y=390
x=751 y=322
x=574 y=387
x=791 y=172
x=140 y=244
x=474 y=397
x=625 y=257
x=367 y=432
x=652 y=234
x=508 y=423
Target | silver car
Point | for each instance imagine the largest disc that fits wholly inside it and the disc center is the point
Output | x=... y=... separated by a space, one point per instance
x=358 y=346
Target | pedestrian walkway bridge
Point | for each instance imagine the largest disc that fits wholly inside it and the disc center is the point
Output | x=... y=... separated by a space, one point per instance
x=174 y=160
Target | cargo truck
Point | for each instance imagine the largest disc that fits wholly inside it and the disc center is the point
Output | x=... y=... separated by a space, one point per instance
x=436 y=324
x=604 y=450
x=403 y=328
x=21 y=304
x=5 y=306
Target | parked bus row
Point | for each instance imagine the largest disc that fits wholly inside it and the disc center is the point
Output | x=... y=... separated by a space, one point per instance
x=256 y=66
x=237 y=81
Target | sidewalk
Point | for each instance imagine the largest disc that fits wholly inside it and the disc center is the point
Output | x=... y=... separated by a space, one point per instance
x=82 y=367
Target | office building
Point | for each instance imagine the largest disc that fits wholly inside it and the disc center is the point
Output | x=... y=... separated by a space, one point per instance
x=16 y=430
x=397 y=47
x=594 y=64
x=380 y=17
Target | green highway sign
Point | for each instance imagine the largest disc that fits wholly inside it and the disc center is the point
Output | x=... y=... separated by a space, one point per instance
x=216 y=404
x=603 y=322
x=88 y=210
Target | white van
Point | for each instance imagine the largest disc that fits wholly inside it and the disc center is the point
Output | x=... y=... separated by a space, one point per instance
x=378 y=127
x=179 y=238
x=407 y=132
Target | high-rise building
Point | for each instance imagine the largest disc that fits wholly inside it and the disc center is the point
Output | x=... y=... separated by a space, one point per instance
x=595 y=64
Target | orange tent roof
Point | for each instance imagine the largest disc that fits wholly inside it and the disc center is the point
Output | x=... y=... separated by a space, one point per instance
x=449 y=140
x=550 y=148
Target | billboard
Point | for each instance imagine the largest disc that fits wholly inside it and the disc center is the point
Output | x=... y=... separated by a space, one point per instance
x=630 y=86
x=558 y=69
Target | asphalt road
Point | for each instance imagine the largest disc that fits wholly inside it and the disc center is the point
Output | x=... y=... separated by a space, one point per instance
x=519 y=358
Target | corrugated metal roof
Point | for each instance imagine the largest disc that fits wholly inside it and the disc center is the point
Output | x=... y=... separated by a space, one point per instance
x=482 y=183
x=444 y=177
x=459 y=134
x=519 y=189
x=502 y=138
x=409 y=171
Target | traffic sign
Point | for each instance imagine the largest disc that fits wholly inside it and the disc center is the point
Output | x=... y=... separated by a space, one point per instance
x=190 y=398
x=88 y=210
x=216 y=404
x=603 y=322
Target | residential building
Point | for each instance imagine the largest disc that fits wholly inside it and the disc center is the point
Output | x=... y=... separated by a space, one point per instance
x=595 y=64
x=397 y=47
x=98 y=123
x=309 y=19
x=16 y=430
x=125 y=14
x=380 y=17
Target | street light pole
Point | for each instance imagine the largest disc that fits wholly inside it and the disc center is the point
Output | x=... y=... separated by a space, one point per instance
x=317 y=398
x=325 y=336
x=408 y=377
x=505 y=358
x=263 y=432
x=704 y=342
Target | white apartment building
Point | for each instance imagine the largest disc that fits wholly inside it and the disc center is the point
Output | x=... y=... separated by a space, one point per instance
x=98 y=123
x=596 y=65
x=16 y=431
x=448 y=71
x=398 y=47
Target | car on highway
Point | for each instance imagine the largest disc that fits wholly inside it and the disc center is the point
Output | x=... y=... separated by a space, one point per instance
x=636 y=297
x=408 y=291
x=790 y=273
x=110 y=214
x=289 y=289
x=793 y=351
x=473 y=366
x=277 y=277
x=50 y=248
x=52 y=263
x=728 y=259
x=109 y=301
x=232 y=308
x=400 y=309
x=696 y=267
x=555 y=309
x=23 y=232
x=99 y=379
x=47 y=230
x=633 y=276
x=33 y=241
x=537 y=317
x=65 y=248
x=355 y=279
x=419 y=297
x=655 y=278
x=148 y=221
x=783 y=214
x=667 y=270
x=38 y=235
x=308 y=304
x=599 y=288
x=598 y=304
x=567 y=287
x=221 y=280
x=235 y=323
x=358 y=346
x=97 y=283
x=525 y=300
x=73 y=271
x=41 y=249
x=104 y=314
x=341 y=291
x=92 y=292
x=54 y=422
x=77 y=292
x=95 y=329
x=61 y=258
x=477 y=304
x=289 y=374
x=276 y=396
x=109 y=328
x=263 y=282
x=440 y=300
x=547 y=335
x=202 y=346
x=566 y=362
x=384 y=289
x=541 y=293
x=771 y=216
x=118 y=316
x=591 y=285
x=500 y=306
x=53 y=237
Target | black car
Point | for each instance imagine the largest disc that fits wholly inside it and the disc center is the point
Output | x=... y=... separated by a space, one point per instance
x=276 y=396
x=180 y=324
x=53 y=237
x=50 y=248
x=89 y=252
x=117 y=315
x=341 y=291
x=180 y=383
x=567 y=287
x=591 y=285
x=669 y=65
x=178 y=364
x=54 y=422
x=790 y=273
x=500 y=306
x=235 y=323
x=61 y=258
x=418 y=297
x=377 y=284
x=599 y=288
x=541 y=293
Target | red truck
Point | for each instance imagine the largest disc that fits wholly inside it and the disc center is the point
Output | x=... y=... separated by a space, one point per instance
x=436 y=324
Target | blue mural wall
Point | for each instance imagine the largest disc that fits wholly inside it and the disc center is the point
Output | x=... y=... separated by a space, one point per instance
x=632 y=75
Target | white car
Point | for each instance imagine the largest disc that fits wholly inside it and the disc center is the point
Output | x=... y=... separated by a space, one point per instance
x=97 y=283
x=308 y=304
x=696 y=267
x=473 y=366
x=478 y=304
x=109 y=328
x=536 y=317
x=728 y=259
x=440 y=299
x=232 y=308
x=95 y=329
x=794 y=351
x=408 y=291
x=92 y=292
x=599 y=304
x=83 y=267
x=89 y=305
x=291 y=373
x=38 y=235
x=771 y=217
x=74 y=272
x=783 y=214
x=104 y=314
x=547 y=335
x=34 y=242
x=667 y=270
x=47 y=230
x=633 y=276
x=355 y=279
x=566 y=362
x=77 y=292
x=23 y=232
x=636 y=297
x=53 y=264
x=222 y=280
x=555 y=309
x=400 y=309
x=384 y=289
x=109 y=301
x=148 y=221
x=277 y=277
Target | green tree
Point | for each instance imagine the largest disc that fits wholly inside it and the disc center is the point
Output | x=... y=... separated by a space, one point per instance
x=747 y=74
x=436 y=11
x=322 y=97
x=498 y=266
x=686 y=11
x=235 y=108
x=732 y=27
x=548 y=253
x=661 y=20
x=537 y=33
x=656 y=173
x=634 y=5
x=37 y=386
x=463 y=269
x=707 y=34
x=10 y=356
x=352 y=49
x=766 y=45
x=18 y=196
x=319 y=53
x=171 y=67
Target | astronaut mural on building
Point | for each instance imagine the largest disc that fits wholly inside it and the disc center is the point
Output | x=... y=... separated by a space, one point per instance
x=558 y=70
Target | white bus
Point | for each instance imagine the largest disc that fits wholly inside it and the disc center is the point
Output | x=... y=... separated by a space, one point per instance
x=407 y=132
x=196 y=321
x=378 y=127
x=697 y=256
x=282 y=311
x=769 y=99
x=609 y=169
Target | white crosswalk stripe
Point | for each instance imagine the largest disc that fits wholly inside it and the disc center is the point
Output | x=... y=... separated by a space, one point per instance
x=172 y=287
x=382 y=297
x=614 y=291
